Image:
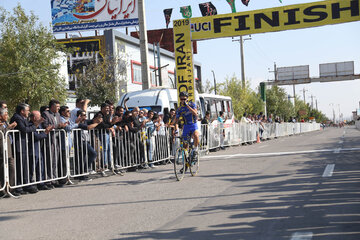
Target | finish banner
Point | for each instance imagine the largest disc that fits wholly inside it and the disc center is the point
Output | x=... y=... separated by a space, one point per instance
x=183 y=58
x=275 y=19
x=81 y=15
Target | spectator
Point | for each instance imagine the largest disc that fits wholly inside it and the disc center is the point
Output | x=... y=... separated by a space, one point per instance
x=142 y=116
x=244 y=119
x=3 y=105
x=87 y=154
x=43 y=109
x=105 y=128
x=205 y=122
x=57 y=167
x=22 y=148
x=152 y=131
x=69 y=125
x=80 y=104
x=121 y=124
x=37 y=161
x=221 y=120
x=4 y=127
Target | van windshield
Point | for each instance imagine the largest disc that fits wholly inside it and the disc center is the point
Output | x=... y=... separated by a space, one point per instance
x=156 y=109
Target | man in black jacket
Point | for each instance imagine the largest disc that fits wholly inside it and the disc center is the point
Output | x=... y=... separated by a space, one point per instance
x=56 y=165
x=21 y=145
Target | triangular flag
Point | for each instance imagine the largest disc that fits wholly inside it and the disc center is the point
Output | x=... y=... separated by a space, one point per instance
x=232 y=5
x=186 y=11
x=167 y=14
x=207 y=9
x=245 y=2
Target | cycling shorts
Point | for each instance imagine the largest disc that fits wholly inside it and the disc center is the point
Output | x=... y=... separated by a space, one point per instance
x=188 y=130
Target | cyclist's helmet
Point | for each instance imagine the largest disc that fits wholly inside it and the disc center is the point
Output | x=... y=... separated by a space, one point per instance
x=183 y=94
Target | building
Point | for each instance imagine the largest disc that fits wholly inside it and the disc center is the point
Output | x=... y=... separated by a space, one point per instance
x=127 y=50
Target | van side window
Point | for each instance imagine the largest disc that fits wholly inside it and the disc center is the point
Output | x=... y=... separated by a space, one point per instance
x=213 y=110
x=219 y=106
x=199 y=111
x=229 y=108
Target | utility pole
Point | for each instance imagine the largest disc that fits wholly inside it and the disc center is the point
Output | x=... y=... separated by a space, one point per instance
x=275 y=72
x=214 y=81
x=304 y=90
x=312 y=101
x=316 y=105
x=241 y=40
x=242 y=63
x=143 y=46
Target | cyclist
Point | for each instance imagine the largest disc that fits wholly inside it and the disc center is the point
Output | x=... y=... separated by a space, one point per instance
x=188 y=112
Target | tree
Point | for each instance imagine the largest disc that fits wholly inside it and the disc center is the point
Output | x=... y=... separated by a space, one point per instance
x=98 y=80
x=278 y=104
x=29 y=70
x=243 y=99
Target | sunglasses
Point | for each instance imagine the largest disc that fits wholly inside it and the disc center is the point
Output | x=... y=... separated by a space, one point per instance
x=183 y=99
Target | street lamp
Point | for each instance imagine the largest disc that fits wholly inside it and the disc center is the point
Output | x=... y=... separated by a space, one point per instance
x=241 y=41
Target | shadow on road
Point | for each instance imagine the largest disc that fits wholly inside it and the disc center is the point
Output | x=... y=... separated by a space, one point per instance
x=327 y=207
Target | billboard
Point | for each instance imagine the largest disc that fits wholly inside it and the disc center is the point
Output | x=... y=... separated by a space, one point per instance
x=336 y=69
x=84 y=50
x=293 y=73
x=82 y=15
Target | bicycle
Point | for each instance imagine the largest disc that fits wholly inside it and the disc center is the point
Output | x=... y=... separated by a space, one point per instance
x=184 y=159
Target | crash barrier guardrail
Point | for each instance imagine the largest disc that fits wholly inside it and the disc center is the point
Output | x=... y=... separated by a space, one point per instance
x=40 y=157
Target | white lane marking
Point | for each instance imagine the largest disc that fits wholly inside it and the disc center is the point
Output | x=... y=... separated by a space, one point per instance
x=341 y=142
x=337 y=150
x=279 y=153
x=263 y=146
x=328 y=172
x=302 y=236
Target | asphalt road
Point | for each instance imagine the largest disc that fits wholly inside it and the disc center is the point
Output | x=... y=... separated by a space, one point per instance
x=299 y=188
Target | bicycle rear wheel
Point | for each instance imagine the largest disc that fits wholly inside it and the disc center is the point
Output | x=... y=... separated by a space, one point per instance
x=179 y=164
x=194 y=164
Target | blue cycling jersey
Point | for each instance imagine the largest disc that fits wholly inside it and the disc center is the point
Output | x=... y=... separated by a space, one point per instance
x=188 y=117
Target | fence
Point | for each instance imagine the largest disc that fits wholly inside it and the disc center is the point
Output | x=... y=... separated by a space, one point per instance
x=3 y=162
x=40 y=157
x=357 y=124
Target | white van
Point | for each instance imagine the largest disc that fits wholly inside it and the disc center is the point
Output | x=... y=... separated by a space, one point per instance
x=156 y=99
x=164 y=99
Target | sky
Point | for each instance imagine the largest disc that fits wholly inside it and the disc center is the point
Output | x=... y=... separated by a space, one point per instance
x=311 y=46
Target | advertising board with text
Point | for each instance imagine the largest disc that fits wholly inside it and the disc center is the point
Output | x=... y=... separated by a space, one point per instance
x=81 y=15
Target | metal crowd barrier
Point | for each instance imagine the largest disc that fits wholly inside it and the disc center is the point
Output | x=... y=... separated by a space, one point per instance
x=82 y=159
x=33 y=158
x=37 y=157
x=204 y=138
x=3 y=162
x=159 y=146
x=129 y=149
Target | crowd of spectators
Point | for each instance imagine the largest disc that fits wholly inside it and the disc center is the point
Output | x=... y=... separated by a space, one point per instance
x=31 y=159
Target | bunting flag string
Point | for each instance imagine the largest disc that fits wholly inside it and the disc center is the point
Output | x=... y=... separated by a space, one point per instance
x=232 y=5
x=186 y=11
x=207 y=9
x=167 y=14
x=245 y=2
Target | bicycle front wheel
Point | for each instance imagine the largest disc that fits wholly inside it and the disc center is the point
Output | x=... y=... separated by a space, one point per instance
x=179 y=164
x=194 y=164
